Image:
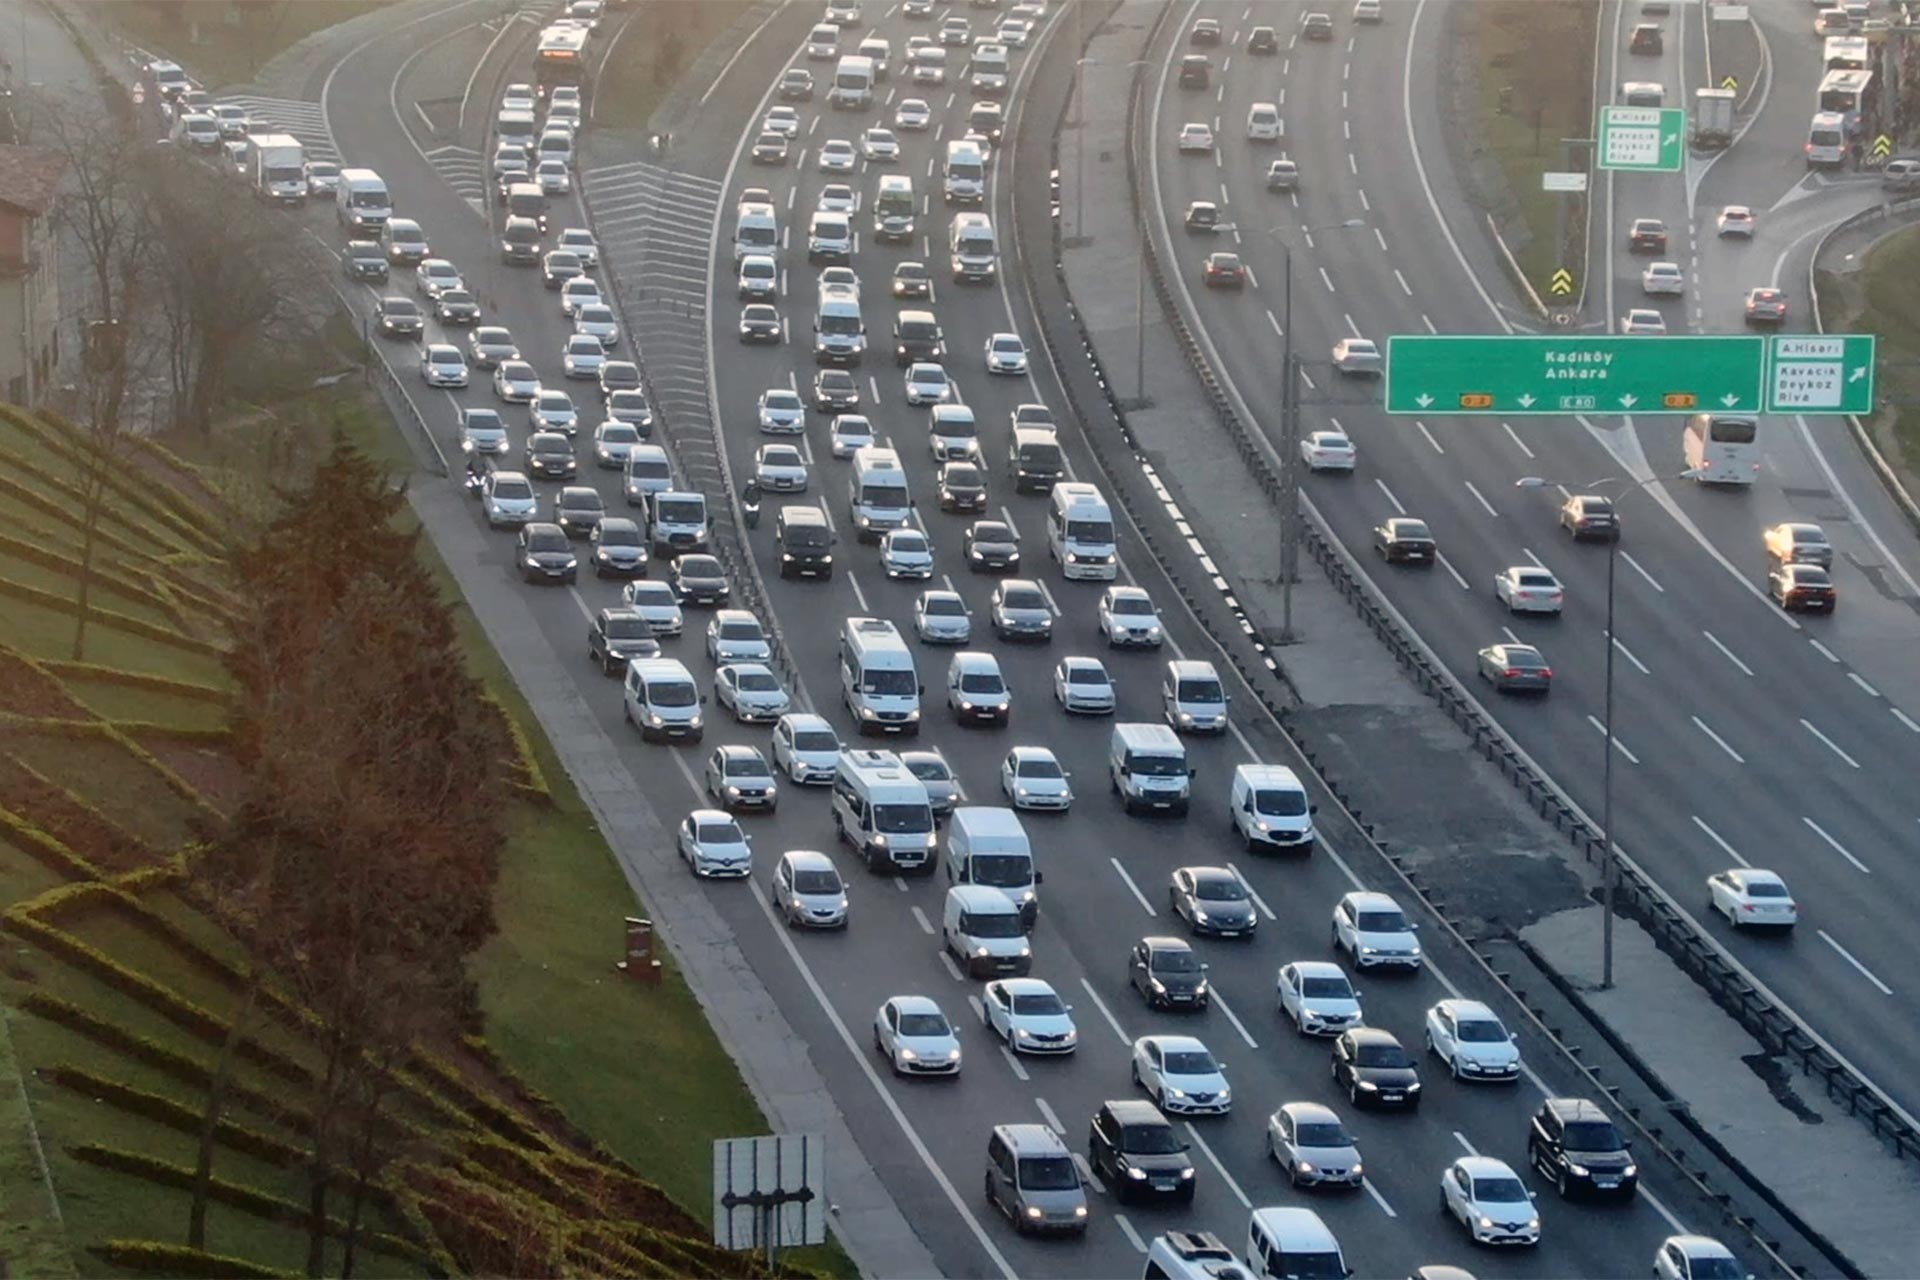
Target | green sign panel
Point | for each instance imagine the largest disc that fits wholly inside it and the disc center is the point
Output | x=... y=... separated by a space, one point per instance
x=1652 y=139
x=1820 y=373
x=1523 y=374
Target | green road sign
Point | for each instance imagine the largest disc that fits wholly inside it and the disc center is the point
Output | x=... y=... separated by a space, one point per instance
x=1825 y=373
x=1645 y=138
x=1523 y=374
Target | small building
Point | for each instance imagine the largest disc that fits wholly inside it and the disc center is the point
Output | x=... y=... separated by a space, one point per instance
x=29 y=272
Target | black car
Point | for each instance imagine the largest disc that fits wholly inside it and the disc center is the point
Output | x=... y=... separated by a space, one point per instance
x=618 y=636
x=1205 y=31
x=578 y=509
x=1575 y=1146
x=400 y=317
x=489 y=344
x=545 y=554
x=1317 y=26
x=910 y=280
x=618 y=548
x=1647 y=40
x=699 y=579
x=550 y=456
x=1263 y=40
x=363 y=260
x=1196 y=71
x=1405 y=541
x=617 y=376
x=1374 y=1070
x=759 y=322
x=1213 y=900
x=457 y=306
x=770 y=148
x=560 y=266
x=963 y=487
x=1647 y=235
x=1138 y=1153
x=835 y=391
x=1587 y=515
x=991 y=547
x=1167 y=974
x=796 y=85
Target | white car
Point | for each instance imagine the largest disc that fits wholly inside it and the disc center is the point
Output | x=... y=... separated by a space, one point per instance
x=1641 y=320
x=1195 y=137
x=782 y=411
x=1749 y=897
x=1029 y=1016
x=915 y=1038
x=1472 y=1041
x=1006 y=354
x=1367 y=11
x=750 y=691
x=927 y=383
x=579 y=240
x=442 y=365
x=807 y=891
x=1309 y=1142
x=736 y=777
x=941 y=617
x=913 y=114
x=784 y=121
x=584 y=356
x=713 y=844
x=656 y=602
x=735 y=635
x=1327 y=451
x=837 y=156
x=1663 y=279
x=1525 y=589
x=1083 y=685
x=1031 y=778
x=1128 y=619
x=780 y=468
x=1358 y=357
x=837 y=197
x=515 y=382
x=1014 y=32
x=435 y=276
x=805 y=748
x=906 y=553
x=613 y=444
x=553 y=177
x=1487 y=1198
x=581 y=291
x=1181 y=1075
x=879 y=145
x=840 y=278
x=1374 y=932
x=517 y=97
x=554 y=411
x=597 y=321
x=1737 y=220
x=850 y=433
x=1318 y=997
x=509 y=499
x=1695 y=1258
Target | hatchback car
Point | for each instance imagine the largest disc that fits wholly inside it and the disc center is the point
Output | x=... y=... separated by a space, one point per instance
x=1263 y=40
x=1283 y=175
x=1317 y=997
x=435 y=276
x=1799 y=543
x=770 y=149
x=962 y=486
x=658 y=604
x=1316 y=26
x=1328 y=451
x=1696 y=1257
x=1223 y=271
x=1181 y=1075
x=1006 y=354
x=1020 y=611
x=835 y=391
x=1375 y=1070
x=699 y=579
x=1473 y=1042
x=1029 y=1016
x=936 y=775
x=750 y=691
x=906 y=554
x=805 y=748
x=490 y=345
x=616 y=637
x=583 y=356
x=849 y=433
x=1168 y=974
x=713 y=845
x=913 y=114
x=578 y=510
x=1309 y=1142
x=735 y=635
x=1213 y=900
x=618 y=548
x=737 y=777
x=1736 y=220
x=482 y=432
x=1486 y=1197
x=1766 y=306
x=915 y=1038
x=836 y=155
x=927 y=383
x=1401 y=540
x=796 y=85
x=1647 y=235
x=579 y=292
x=545 y=554
x=941 y=617
x=1082 y=685
x=1128 y=619
x=554 y=411
x=442 y=365
x=1358 y=357
x=780 y=468
x=760 y=323
x=1032 y=778
x=580 y=241
x=879 y=146
x=1642 y=321
x=1750 y=898
x=991 y=546
x=807 y=891
x=782 y=412
x=400 y=317
x=508 y=499
x=1573 y=1144
x=782 y=120
x=1196 y=138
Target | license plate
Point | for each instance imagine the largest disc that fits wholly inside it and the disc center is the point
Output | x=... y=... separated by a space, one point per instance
x=1389 y=1097
x=1163 y=1184
x=1606 y=1182
x=1229 y=933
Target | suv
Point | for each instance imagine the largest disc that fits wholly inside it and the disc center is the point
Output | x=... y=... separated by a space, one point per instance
x=1032 y=1179
x=1135 y=1150
x=1574 y=1144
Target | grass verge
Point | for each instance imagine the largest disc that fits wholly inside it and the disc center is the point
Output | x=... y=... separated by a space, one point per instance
x=1880 y=299
x=660 y=41
x=222 y=42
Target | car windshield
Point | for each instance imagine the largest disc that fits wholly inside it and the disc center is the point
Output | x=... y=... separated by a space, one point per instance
x=1221 y=889
x=628 y=629
x=680 y=511
x=745 y=767
x=699 y=567
x=512 y=489
x=651 y=469
x=1714 y=1268
x=1190 y=1062
x=818 y=881
x=652 y=593
x=963 y=477
x=1131 y=606
x=619 y=433
x=1480 y=1031
x=1280 y=804
x=1041 y=1004
x=1536 y=579
x=619 y=537
x=1024 y=600
x=911 y=543
x=1321 y=1135
x=1039 y=767
x=543 y=541
x=1150 y=1140
x=1382 y=922
x=1524 y=658
x=1048 y=1173
x=672 y=693
x=1086 y=675
x=1501 y=1189
x=815 y=740
x=399 y=307
x=757 y=682
x=992 y=531
x=928 y=770
x=783 y=400
x=1158 y=766
x=555 y=402
x=945 y=607
x=902 y=819
x=1382 y=1055
x=1198 y=691
x=1175 y=962
x=745 y=629
x=718 y=833
x=924 y=1024
x=1410 y=529
x=1004 y=870
x=1591 y=1135
x=983 y=682
x=1003 y=924
x=548 y=445
x=1326 y=989
x=889 y=683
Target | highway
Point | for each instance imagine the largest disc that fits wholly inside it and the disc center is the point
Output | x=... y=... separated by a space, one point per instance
x=1745 y=735
x=1106 y=873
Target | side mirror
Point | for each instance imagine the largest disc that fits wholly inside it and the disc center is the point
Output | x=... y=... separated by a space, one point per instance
x=1039 y=877
x=1191 y=773
x=1068 y=1008
x=1413 y=926
x=703 y=699
x=1206 y=968
x=922 y=690
x=1313 y=808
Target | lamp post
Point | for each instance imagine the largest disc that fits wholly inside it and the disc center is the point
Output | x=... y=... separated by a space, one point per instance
x=1079 y=123
x=1609 y=865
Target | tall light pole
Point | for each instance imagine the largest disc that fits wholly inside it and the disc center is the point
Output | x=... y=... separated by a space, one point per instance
x=1079 y=123
x=1609 y=864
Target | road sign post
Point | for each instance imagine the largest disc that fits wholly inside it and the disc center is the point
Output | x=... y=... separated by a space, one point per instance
x=1647 y=139
x=1525 y=374
x=1823 y=373
x=769 y=1193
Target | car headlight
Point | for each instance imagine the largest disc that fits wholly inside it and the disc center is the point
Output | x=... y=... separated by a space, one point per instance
x=908 y=1055
x=1369 y=951
x=602 y=554
x=1486 y=1224
x=953 y=1055
x=1158 y=987
x=1533 y=1224
x=1138 y=1175
x=1175 y=1093
x=1033 y=1211
x=1414 y=1087
x=1577 y=1170
x=1200 y=987
x=1021 y=792
x=733 y=792
x=1079 y=1211
x=982 y=953
x=654 y=718
x=1305 y=1166
x=1185 y=718
x=1201 y=915
x=1368 y=1086
x=1630 y=1171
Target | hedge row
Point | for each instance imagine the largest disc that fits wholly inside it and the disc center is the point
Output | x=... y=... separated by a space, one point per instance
x=217 y=734
x=110 y=618
x=476 y=1105
x=406 y=1206
x=54 y=726
x=152 y=1257
x=175 y=783
x=136 y=680
x=61 y=904
x=534 y=780
x=70 y=566
x=110 y=830
x=45 y=848
x=29 y=496
x=35 y=670
x=174 y=1114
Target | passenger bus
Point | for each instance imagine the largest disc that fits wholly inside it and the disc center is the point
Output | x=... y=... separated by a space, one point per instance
x=561 y=59
x=1851 y=93
x=1723 y=448
x=1846 y=53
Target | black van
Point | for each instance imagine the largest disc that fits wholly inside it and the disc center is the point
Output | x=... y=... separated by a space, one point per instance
x=806 y=542
x=1034 y=460
x=520 y=242
x=917 y=338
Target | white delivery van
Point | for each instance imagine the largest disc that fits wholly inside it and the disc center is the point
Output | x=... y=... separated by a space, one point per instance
x=1147 y=764
x=877 y=677
x=990 y=70
x=852 y=88
x=361 y=202
x=893 y=209
x=839 y=333
x=952 y=433
x=877 y=498
x=1192 y=697
x=965 y=174
x=1827 y=140
x=662 y=699
x=756 y=229
x=1287 y=1242
x=882 y=810
x=987 y=845
x=1080 y=532
x=1270 y=808
x=676 y=522
x=974 y=256
x=981 y=929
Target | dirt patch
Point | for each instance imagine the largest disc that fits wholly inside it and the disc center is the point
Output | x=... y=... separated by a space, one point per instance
x=25 y=691
x=208 y=770
x=49 y=806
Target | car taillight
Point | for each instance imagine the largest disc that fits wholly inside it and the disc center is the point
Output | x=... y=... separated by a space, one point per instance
x=1746 y=906
x=1512 y=674
x=1547 y=672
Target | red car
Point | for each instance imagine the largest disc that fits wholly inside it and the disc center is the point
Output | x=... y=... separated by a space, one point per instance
x=1224 y=271
x=1766 y=306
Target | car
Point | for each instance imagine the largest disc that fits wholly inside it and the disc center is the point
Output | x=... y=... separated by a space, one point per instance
x=1029 y=1016
x=550 y=456
x=515 y=382
x=233 y=120
x=915 y=1038
x=1752 y=899
x=1015 y=32
x=1083 y=685
x=986 y=124
x=1375 y=1070
x=578 y=509
x=713 y=845
x=1487 y=1198
x=912 y=280
x=1223 y=270
x=442 y=365
x=1405 y=541
x=554 y=177
x=936 y=775
x=1736 y=220
x=597 y=321
x=737 y=777
x=1134 y=1149
x=735 y=635
x=699 y=579
x=844 y=278
x=1313 y=1146
x=658 y=603
x=1589 y=515
x=489 y=345
x=508 y=499
x=1766 y=306
x=991 y=546
x=1572 y=1142
x=1647 y=235
x=962 y=486
x=1032 y=778
x=1900 y=173
x=760 y=322
x=517 y=97
x=435 y=276
x=1832 y=21
x=617 y=637
x=545 y=554
x=583 y=356
x=837 y=197
x=879 y=146
x=1316 y=26
x=1663 y=279
x=1213 y=900
x=913 y=114
x=836 y=155
x=1006 y=354
x=1473 y=1042
x=805 y=748
x=363 y=260
x=554 y=411
x=323 y=178
x=580 y=242
x=1374 y=932
x=1020 y=611
x=632 y=408
x=927 y=383
x=848 y=434
x=1205 y=31
x=782 y=412
x=1203 y=218
x=482 y=432
x=1368 y=11
x=770 y=148
x=456 y=307
x=758 y=276
x=780 y=468
x=1514 y=668
x=956 y=32
x=1263 y=41
x=1640 y=320
x=941 y=617
x=906 y=554
x=1196 y=138
x=581 y=291
x=1318 y=998
x=1802 y=587
x=1168 y=974
x=1327 y=451
x=619 y=548
x=1796 y=542
x=1524 y=588
x=557 y=266
x=1128 y=619
x=1647 y=40
x=1358 y=358
x=1692 y=1257
x=807 y=891
x=400 y=318
x=750 y=691
x=796 y=85
x=782 y=120
x=835 y=391
x=1181 y=1075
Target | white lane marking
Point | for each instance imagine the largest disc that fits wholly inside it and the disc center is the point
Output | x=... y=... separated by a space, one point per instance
x=1327 y=280
x=1220 y=1168
x=1429 y=435
x=1126 y=1229
x=1871 y=692
x=1105 y=1012
x=1246 y=884
x=1380 y=240
x=1398 y=509
x=1053 y=1120
x=920 y=918
x=1378 y=1198
x=1047 y=595
x=1628 y=655
x=1448 y=566
x=1905 y=719
x=1404 y=286
x=1508 y=633
x=1086 y=1174
x=1831 y=744
x=1461 y=1138
x=1362 y=193
x=1427 y=320
x=1618 y=745
x=1838 y=848
x=1139 y=897
x=1825 y=652
x=1273 y=320
x=953 y=970
x=1847 y=955
x=1482 y=499
x=1352 y=328
x=1234 y=1018
x=1718 y=741
x=1515 y=437
x=1641 y=570
x=858 y=594
x=1714 y=640
x=1715 y=836
x=1013 y=1064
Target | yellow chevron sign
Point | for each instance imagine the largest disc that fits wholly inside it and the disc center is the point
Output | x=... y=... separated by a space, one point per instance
x=1882 y=147
x=1561 y=283
x=1730 y=82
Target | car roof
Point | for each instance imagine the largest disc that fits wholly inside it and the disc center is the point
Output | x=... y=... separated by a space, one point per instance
x=740 y=751
x=974 y=660
x=1136 y=1112
x=1020 y=986
x=1175 y=1043
x=1311 y=1112
x=1031 y=1139
x=734 y=615
x=807 y=860
x=1372 y=1035
x=1191 y=669
x=1468 y=1010
x=1484 y=1167
x=1166 y=942
x=1574 y=1108
x=1032 y=752
x=1371 y=900
x=915 y=1004
x=1700 y=1246
x=1318 y=969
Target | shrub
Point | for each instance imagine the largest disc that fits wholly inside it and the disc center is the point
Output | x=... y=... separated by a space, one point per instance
x=45 y=848
x=174 y=1114
x=136 y=680
x=152 y=1257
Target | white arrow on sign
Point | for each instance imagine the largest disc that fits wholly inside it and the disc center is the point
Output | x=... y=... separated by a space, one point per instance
x=1423 y=400
x=1856 y=374
x=1526 y=401
x=1627 y=402
x=1730 y=399
x=1672 y=138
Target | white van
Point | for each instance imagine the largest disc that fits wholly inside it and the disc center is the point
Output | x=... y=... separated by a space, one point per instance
x=1191 y=1255
x=756 y=229
x=823 y=42
x=1827 y=140
x=839 y=333
x=976 y=691
x=965 y=174
x=894 y=209
x=877 y=678
x=882 y=810
x=1270 y=809
x=361 y=202
x=1147 y=764
x=1643 y=93
x=987 y=845
x=877 y=498
x=974 y=257
x=852 y=88
x=1286 y=1242
x=1080 y=532
x=952 y=433
x=981 y=928
x=1263 y=122
x=661 y=697
x=1192 y=697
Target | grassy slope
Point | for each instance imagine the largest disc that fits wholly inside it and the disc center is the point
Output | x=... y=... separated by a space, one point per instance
x=1881 y=299
x=228 y=54
x=646 y=64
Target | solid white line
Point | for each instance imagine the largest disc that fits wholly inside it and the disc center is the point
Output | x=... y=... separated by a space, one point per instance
x=1398 y=509
x=920 y=918
x=1225 y=1177
x=1461 y=1138
x=1905 y=719
x=1838 y=848
x=1378 y=1198
x=1258 y=901
x=1429 y=437
x=1825 y=652
x=1126 y=1229
x=1628 y=655
x=1515 y=437
x=1053 y=1121
x=1448 y=566
x=1846 y=955
x=1726 y=848
x=1870 y=690
x=1133 y=888
x=1618 y=745
x=1105 y=1012
x=1808 y=724
x=1718 y=741
x=1013 y=1063
x=1482 y=499
x=1643 y=573
x=1715 y=642
x=858 y=594
x=1235 y=1020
